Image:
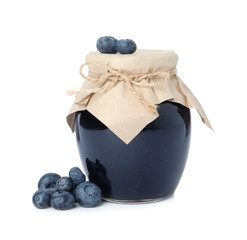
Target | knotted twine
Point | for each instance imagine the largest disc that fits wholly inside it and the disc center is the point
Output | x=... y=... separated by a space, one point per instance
x=114 y=76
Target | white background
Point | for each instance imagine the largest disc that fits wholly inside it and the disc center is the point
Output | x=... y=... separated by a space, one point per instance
x=43 y=43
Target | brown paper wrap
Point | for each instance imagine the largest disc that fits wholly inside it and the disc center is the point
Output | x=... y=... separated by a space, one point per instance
x=119 y=105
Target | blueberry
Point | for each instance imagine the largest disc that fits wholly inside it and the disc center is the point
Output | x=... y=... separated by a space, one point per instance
x=126 y=46
x=52 y=185
x=73 y=192
x=62 y=200
x=65 y=184
x=41 y=199
x=76 y=175
x=50 y=191
x=48 y=181
x=107 y=44
x=88 y=194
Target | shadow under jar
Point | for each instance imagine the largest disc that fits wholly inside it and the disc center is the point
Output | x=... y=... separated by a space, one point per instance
x=149 y=168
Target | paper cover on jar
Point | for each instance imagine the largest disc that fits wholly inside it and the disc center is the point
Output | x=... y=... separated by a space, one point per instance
x=123 y=91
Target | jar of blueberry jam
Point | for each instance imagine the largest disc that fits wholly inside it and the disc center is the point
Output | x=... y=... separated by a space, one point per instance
x=149 y=166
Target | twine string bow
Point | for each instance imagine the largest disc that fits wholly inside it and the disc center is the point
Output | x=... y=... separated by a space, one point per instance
x=114 y=76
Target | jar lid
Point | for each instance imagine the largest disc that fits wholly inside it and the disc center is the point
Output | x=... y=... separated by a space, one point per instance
x=142 y=61
x=123 y=91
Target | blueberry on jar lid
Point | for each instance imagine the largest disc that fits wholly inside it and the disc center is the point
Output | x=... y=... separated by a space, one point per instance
x=107 y=44
x=126 y=46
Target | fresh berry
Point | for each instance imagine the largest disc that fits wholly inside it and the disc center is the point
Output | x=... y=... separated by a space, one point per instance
x=62 y=200
x=73 y=192
x=126 y=46
x=88 y=194
x=50 y=191
x=48 y=181
x=76 y=175
x=41 y=199
x=107 y=44
x=65 y=184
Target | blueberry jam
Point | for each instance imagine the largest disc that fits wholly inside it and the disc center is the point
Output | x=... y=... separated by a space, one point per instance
x=149 y=167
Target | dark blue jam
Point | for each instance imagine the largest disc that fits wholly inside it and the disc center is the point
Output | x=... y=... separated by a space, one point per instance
x=149 y=167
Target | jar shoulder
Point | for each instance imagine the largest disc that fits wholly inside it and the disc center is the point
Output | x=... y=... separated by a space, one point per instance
x=171 y=114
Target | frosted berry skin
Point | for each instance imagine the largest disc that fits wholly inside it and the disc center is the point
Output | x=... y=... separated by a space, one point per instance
x=62 y=200
x=77 y=175
x=65 y=184
x=149 y=167
x=88 y=194
x=48 y=181
x=126 y=46
x=50 y=191
x=41 y=199
x=107 y=44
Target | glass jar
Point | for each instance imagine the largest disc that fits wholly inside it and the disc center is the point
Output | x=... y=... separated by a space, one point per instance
x=133 y=151
x=149 y=168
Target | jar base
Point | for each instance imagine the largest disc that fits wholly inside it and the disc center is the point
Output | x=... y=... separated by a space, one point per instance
x=141 y=201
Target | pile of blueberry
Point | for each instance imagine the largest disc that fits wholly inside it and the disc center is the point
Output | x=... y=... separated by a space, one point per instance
x=62 y=192
x=112 y=45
